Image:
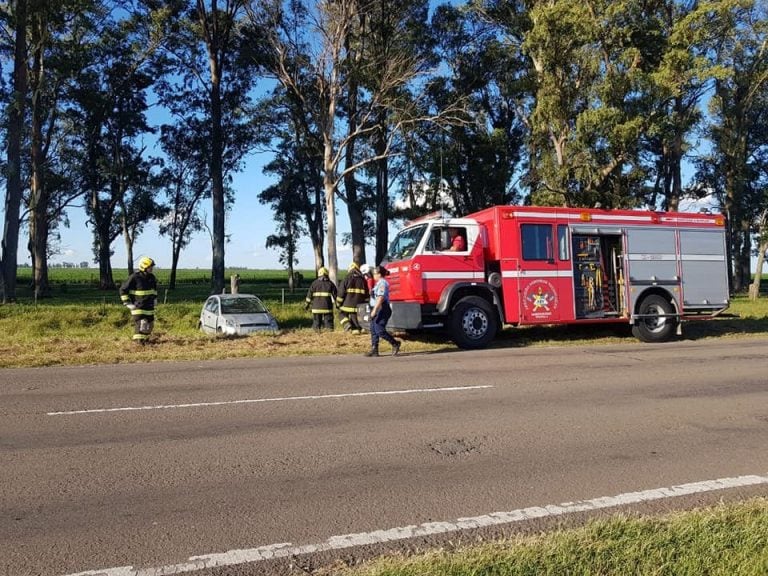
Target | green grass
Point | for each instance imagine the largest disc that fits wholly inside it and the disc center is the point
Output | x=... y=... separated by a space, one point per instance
x=725 y=540
x=79 y=324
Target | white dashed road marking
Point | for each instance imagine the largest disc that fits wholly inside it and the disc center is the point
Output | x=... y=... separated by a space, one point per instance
x=275 y=551
x=262 y=400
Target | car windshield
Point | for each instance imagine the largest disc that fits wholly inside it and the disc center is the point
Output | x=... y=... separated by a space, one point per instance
x=242 y=306
x=405 y=243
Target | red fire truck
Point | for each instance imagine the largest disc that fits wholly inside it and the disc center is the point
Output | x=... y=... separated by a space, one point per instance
x=535 y=265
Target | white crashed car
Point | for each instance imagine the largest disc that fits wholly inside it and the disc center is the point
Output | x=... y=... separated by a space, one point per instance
x=235 y=314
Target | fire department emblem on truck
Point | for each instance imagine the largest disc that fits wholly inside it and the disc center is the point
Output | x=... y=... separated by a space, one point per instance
x=540 y=298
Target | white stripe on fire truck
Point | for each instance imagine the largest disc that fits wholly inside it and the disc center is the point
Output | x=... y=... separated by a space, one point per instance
x=453 y=275
x=652 y=257
x=703 y=257
x=672 y=257
x=603 y=217
x=616 y=218
x=537 y=274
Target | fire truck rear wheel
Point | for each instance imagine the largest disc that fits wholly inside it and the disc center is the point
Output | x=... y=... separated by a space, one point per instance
x=473 y=323
x=655 y=329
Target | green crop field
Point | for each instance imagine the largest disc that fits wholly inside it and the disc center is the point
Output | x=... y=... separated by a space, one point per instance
x=80 y=285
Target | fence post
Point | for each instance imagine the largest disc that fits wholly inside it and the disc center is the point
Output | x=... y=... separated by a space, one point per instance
x=234 y=282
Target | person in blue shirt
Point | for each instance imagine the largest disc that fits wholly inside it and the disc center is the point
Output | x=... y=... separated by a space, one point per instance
x=381 y=311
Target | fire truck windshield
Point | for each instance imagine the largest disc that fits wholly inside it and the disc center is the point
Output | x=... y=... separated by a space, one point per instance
x=405 y=243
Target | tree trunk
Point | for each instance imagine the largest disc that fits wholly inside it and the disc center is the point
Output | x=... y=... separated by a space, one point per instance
x=106 y=281
x=330 y=209
x=754 y=288
x=13 y=194
x=762 y=234
x=382 y=196
x=174 y=265
x=354 y=211
x=39 y=196
x=128 y=237
x=217 y=191
x=38 y=232
x=356 y=220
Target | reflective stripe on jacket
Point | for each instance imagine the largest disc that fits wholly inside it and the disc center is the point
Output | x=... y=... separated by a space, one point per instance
x=321 y=295
x=353 y=290
x=140 y=289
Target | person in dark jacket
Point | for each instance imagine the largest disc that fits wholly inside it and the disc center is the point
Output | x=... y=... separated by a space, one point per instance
x=353 y=290
x=139 y=293
x=320 y=298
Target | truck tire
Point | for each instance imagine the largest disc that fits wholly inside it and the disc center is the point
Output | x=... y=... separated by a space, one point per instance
x=473 y=323
x=655 y=329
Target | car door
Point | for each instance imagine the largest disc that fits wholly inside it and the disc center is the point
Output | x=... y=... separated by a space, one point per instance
x=210 y=314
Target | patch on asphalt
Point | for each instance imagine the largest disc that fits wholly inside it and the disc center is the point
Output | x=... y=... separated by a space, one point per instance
x=455 y=446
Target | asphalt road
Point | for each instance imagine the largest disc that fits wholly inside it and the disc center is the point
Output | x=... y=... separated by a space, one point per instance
x=149 y=466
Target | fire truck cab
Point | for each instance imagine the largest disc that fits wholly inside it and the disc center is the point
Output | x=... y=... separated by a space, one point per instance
x=542 y=265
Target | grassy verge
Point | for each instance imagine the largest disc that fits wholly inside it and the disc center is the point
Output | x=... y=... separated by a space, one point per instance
x=725 y=540
x=80 y=324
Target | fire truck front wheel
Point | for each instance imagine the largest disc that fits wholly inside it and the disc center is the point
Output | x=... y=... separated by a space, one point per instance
x=473 y=323
x=657 y=322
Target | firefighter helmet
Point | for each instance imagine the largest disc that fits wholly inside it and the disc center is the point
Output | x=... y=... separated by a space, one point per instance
x=353 y=266
x=322 y=271
x=145 y=263
x=365 y=269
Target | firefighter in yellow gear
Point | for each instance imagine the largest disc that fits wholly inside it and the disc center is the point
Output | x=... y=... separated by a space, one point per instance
x=353 y=290
x=320 y=298
x=139 y=294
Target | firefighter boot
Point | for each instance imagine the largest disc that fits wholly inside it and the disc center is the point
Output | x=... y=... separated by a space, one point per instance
x=374 y=351
x=396 y=347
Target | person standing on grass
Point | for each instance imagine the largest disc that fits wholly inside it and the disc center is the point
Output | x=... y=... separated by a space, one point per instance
x=320 y=298
x=353 y=290
x=139 y=293
x=380 y=313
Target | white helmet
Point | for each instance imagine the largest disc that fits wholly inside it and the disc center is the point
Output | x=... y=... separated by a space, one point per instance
x=365 y=269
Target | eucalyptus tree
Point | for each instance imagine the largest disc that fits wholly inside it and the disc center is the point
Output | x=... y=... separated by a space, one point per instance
x=474 y=164
x=591 y=108
x=109 y=116
x=737 y=131
x=15 y=14
x=296 y=199
x=56 y=32
x=211 y=81
x=673 y=49
x=314 y=41
x=185 y=178
x=388 y=39
x=288 y=200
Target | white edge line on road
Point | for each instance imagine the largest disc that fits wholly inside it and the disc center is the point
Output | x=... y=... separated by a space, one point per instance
x=260 y=400
x=275 y=551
